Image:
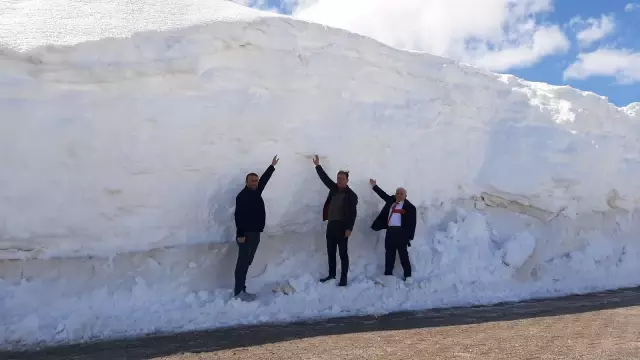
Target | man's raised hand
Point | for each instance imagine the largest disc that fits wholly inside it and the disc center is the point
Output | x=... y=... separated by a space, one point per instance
x=275 y=160
x=316 y=160
x=372 y=182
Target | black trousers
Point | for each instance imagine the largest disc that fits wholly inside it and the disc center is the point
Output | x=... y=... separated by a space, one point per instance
x=336 y=239
x=246 y=252
x=396 y=241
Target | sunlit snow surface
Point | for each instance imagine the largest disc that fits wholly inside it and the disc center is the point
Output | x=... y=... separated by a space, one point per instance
x=120 y=160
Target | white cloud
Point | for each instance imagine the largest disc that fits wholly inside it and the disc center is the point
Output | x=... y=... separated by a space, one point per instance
x=545 y=41
x=624 y=65
x=496 y=34
x=593 y=29
x=631 y=7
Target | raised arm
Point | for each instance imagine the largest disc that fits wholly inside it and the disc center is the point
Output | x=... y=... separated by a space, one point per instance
x=264 y=179
x=326 y=180
x=383 y=195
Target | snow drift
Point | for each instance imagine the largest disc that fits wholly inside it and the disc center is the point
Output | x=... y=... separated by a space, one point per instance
x=122 y=149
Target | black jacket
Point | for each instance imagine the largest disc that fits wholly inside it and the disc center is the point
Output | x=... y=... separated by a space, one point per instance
x=408 y=217
x=250 y=215
x=350 y=207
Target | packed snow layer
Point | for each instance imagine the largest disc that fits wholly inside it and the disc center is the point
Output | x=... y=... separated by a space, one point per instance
x=25 y=25
x=130 y=144
x=121 y=159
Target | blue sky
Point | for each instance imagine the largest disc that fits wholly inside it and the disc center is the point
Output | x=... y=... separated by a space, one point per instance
x=625 y=35
x=592 y=45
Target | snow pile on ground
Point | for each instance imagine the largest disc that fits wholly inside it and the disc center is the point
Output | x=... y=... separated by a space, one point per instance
x=121 y=159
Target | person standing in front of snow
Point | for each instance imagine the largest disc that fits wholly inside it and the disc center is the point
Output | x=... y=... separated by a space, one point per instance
x=340 y=210
x=398 y=216
x=250 y=217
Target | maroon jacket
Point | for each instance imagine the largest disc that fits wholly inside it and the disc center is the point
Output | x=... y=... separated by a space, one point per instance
x=350 y=207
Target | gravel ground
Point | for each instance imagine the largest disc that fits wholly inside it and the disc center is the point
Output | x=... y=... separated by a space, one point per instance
x=595 y=326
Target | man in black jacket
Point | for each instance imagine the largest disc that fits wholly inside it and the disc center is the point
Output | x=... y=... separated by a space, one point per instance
x=340 y=210
x=250 y=219
x=398 y=216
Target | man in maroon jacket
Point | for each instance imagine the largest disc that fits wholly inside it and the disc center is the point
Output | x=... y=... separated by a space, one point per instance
x=340 y=210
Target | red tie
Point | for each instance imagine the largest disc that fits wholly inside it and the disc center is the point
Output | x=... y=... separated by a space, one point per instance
x=393 y=209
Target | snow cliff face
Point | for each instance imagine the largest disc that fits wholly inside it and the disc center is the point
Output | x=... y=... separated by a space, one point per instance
x=131 y=149
x=111 y=125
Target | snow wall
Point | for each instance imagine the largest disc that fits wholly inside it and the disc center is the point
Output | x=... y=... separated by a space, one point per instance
x=120 y=160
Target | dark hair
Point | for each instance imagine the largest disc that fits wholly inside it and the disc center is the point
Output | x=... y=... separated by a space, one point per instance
x=250 y=174
x=344 y=172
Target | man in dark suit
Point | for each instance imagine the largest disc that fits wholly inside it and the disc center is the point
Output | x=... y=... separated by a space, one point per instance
x=340 y=210
x=398 y=216
x=250 y=217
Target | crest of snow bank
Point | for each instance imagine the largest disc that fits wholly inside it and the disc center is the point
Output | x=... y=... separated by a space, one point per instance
x=143 y=140
x=25 y=25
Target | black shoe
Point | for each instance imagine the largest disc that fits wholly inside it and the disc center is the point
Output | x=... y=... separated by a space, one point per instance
x=245 y=296
x=324 y=280
x=343 y=281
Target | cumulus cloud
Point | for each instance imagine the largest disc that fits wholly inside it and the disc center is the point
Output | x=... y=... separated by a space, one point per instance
x=622 y=64
x=495 y=34
x=592 y=29
x=543 y=42
x=631 y=7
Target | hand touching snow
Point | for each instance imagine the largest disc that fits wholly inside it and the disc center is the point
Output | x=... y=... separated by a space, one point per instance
x=275 y=160
x=372 y=182
x=316 y=160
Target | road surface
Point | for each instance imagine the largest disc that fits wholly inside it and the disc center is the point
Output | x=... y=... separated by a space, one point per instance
x=596 y=326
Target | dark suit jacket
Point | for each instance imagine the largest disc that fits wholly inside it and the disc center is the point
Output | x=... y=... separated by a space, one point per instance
x=250 y=215
x=350 y=207
x=408 y=218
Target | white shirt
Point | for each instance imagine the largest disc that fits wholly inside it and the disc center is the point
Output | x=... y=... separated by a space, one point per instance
x=396 y=219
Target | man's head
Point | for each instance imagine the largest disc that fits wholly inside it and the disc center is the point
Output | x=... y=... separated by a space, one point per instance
x=252 y=181
x=342 y=179
x=401 y=194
